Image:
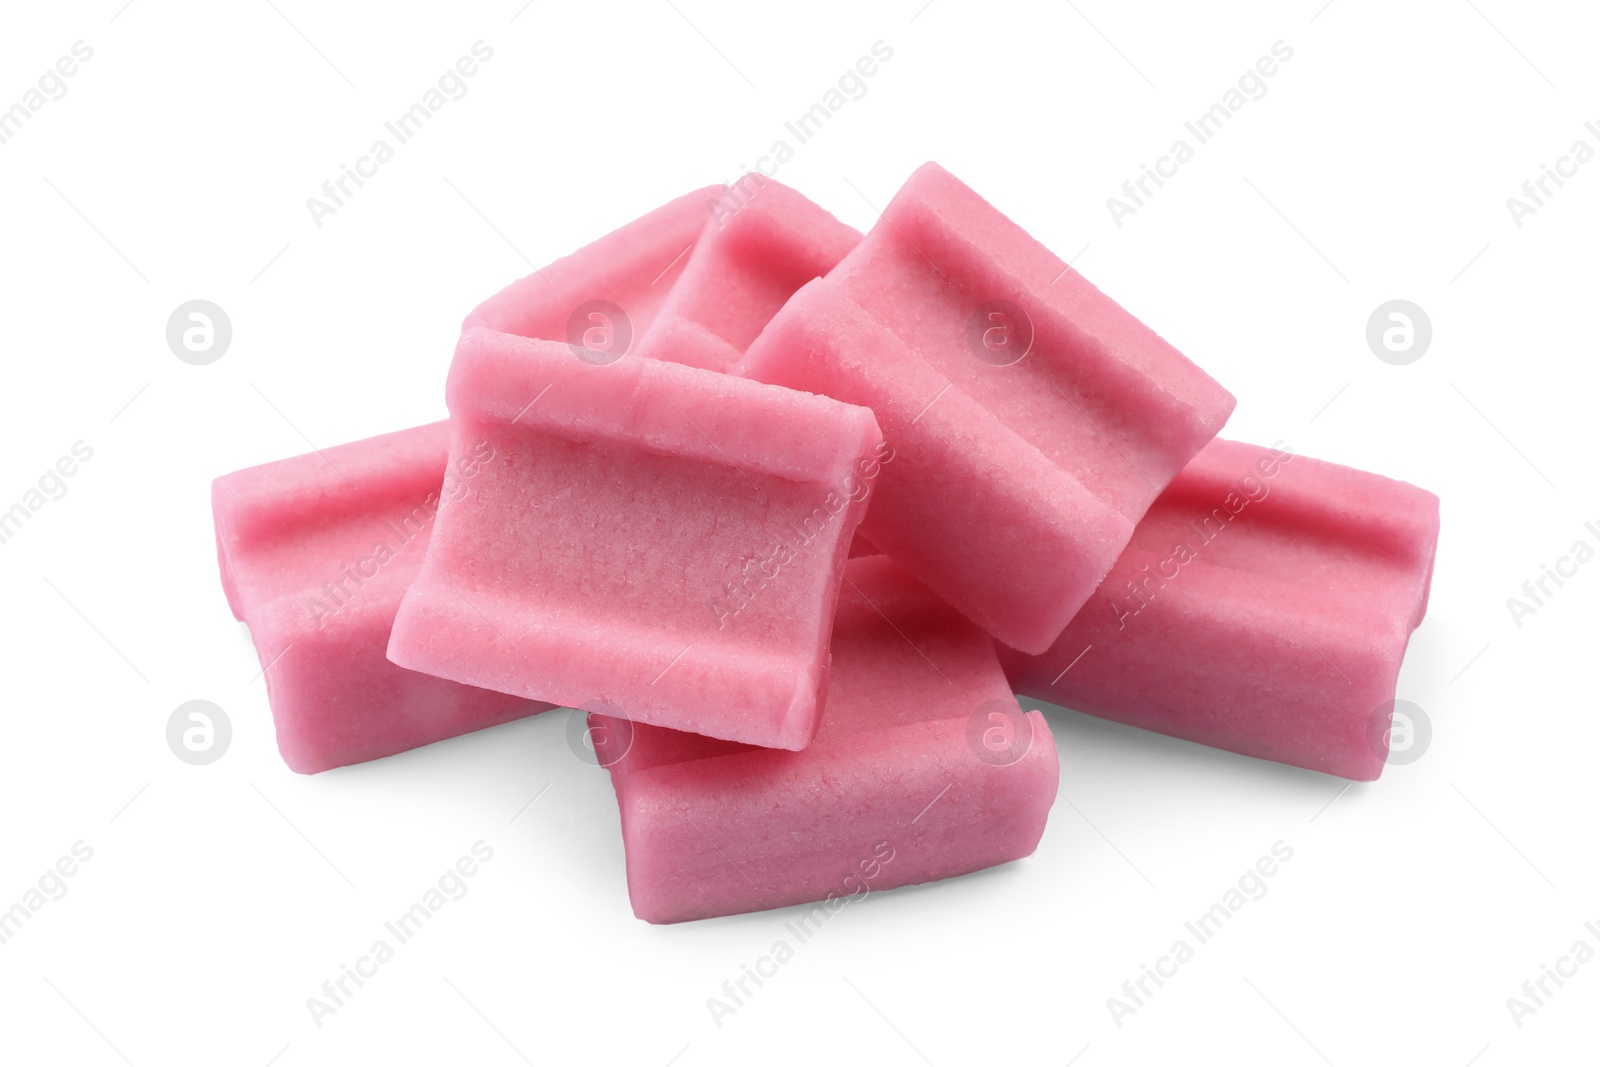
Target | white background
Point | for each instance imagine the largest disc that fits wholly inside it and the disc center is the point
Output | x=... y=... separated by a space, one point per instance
x=219 y=898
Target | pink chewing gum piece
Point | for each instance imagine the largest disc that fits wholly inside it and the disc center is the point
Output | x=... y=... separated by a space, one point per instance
x=662 y=537
x=924 y=767
x=1263 y=607
x=336 y=698
x=633 y=269
x=315 y=553
x=1011 y=390
x=763 y=241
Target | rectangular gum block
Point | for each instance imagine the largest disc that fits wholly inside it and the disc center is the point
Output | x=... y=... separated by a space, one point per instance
x=761 y=242
x=924 y=768
x=1263 y=607
x=315 y=553
x=281 y=528
x=964 y=501
x=660 y=538
x=1033 y=419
